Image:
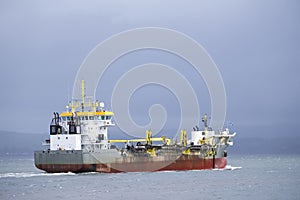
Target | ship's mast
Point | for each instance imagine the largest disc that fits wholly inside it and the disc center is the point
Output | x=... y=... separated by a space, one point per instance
x=90 y=105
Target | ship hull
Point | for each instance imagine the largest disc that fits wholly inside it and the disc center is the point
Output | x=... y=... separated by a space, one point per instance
x=61 y=163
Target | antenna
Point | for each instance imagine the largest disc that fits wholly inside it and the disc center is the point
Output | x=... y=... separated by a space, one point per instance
x=82 y=95
x=204 y=120
x=68 y=90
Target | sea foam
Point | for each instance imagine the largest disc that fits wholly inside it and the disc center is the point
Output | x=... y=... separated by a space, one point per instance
x=32 y=174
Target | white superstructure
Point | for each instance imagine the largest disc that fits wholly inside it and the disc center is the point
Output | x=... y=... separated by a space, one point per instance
x=82 y=127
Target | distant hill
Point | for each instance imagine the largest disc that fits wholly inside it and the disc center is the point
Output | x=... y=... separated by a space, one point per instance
x=12 y=142
x=271 y=145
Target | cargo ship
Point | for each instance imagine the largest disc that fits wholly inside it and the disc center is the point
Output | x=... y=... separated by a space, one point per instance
x=79 y=142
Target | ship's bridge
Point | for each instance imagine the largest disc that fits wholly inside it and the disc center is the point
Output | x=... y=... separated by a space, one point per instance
x=82 y=126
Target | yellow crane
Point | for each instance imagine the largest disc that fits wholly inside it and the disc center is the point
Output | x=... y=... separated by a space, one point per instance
x=148 y=139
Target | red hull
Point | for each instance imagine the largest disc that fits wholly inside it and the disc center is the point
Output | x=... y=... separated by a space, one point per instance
x=179 y=164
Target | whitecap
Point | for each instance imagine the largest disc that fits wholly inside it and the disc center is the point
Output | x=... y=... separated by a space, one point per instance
x=32 y=174
x=228 y=167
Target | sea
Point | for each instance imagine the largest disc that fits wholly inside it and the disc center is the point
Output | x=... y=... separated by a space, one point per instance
x=245 y=177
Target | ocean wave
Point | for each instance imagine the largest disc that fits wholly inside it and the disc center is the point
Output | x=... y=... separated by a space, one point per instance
x=89 y=173
x=168 y=171
x=228 y=167
x=32 y=174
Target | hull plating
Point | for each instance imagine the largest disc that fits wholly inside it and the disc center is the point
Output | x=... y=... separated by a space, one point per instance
x=179 y=164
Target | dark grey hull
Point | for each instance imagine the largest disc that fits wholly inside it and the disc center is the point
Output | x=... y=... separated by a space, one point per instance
x=110 y=161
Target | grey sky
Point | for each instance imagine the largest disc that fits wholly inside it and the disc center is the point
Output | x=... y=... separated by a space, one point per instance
x=255 y=44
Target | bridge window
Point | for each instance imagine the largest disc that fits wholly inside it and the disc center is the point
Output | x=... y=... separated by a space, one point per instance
x=91 y=117
x=101 y=137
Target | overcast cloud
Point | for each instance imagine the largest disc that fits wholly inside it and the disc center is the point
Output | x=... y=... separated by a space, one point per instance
x=255 y=44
